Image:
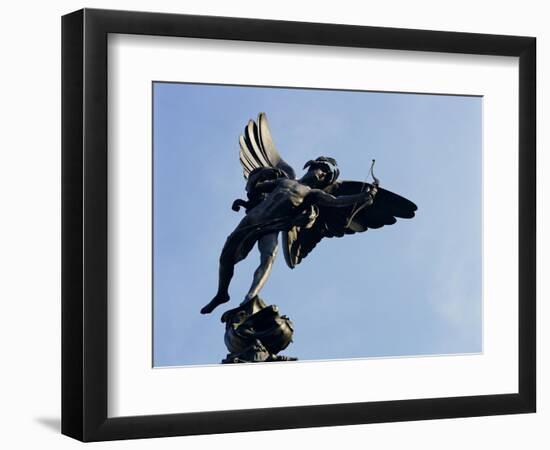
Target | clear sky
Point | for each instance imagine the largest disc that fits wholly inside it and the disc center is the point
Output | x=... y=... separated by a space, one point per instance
x=413 y=288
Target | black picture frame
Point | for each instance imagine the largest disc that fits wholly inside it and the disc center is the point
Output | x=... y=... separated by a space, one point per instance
x=84 y=224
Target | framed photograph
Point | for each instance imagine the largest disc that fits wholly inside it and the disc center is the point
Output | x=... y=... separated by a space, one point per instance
x=273 y=224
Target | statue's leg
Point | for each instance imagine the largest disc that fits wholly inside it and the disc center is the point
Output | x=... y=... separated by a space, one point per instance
x=226 y=270
x=236 y=248
x=267 y=245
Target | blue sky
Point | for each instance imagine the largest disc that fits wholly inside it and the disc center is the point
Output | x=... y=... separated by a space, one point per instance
x=413 y=288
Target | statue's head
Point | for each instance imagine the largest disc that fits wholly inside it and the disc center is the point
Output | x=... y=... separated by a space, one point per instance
x=321 y=172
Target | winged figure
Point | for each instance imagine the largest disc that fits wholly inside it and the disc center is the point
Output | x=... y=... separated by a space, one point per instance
x=304 y=210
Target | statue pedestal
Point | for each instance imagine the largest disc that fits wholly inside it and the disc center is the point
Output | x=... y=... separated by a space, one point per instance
x=255 y=332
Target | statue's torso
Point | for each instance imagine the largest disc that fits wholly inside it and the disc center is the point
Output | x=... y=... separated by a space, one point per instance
x=286 y=199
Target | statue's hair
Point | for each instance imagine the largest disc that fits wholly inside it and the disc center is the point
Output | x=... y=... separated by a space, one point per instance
x=328 y=164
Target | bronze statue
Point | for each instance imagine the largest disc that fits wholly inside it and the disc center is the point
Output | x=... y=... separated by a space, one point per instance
x=305 y=211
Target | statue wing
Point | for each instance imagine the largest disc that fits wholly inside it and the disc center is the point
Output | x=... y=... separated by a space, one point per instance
x=258 y=149
x=333 y=222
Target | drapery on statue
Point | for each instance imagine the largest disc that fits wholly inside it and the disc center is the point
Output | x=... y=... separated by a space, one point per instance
x=304 y=210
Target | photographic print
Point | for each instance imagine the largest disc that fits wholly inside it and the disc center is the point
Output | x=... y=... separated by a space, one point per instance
x=363 y=208
x=295 y=224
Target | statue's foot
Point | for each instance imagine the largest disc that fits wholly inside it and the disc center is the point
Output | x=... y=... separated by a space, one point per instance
x=216 y=301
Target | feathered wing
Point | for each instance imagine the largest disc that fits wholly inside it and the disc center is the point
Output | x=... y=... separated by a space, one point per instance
x=333 y=222
x=258 y=149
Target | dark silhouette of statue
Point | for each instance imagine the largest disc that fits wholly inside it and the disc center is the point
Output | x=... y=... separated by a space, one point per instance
x=305 y=211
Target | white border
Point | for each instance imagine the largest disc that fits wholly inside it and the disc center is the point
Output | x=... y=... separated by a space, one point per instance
x=135 y=388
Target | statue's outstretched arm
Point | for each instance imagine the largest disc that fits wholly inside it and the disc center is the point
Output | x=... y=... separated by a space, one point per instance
x=321 y=198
